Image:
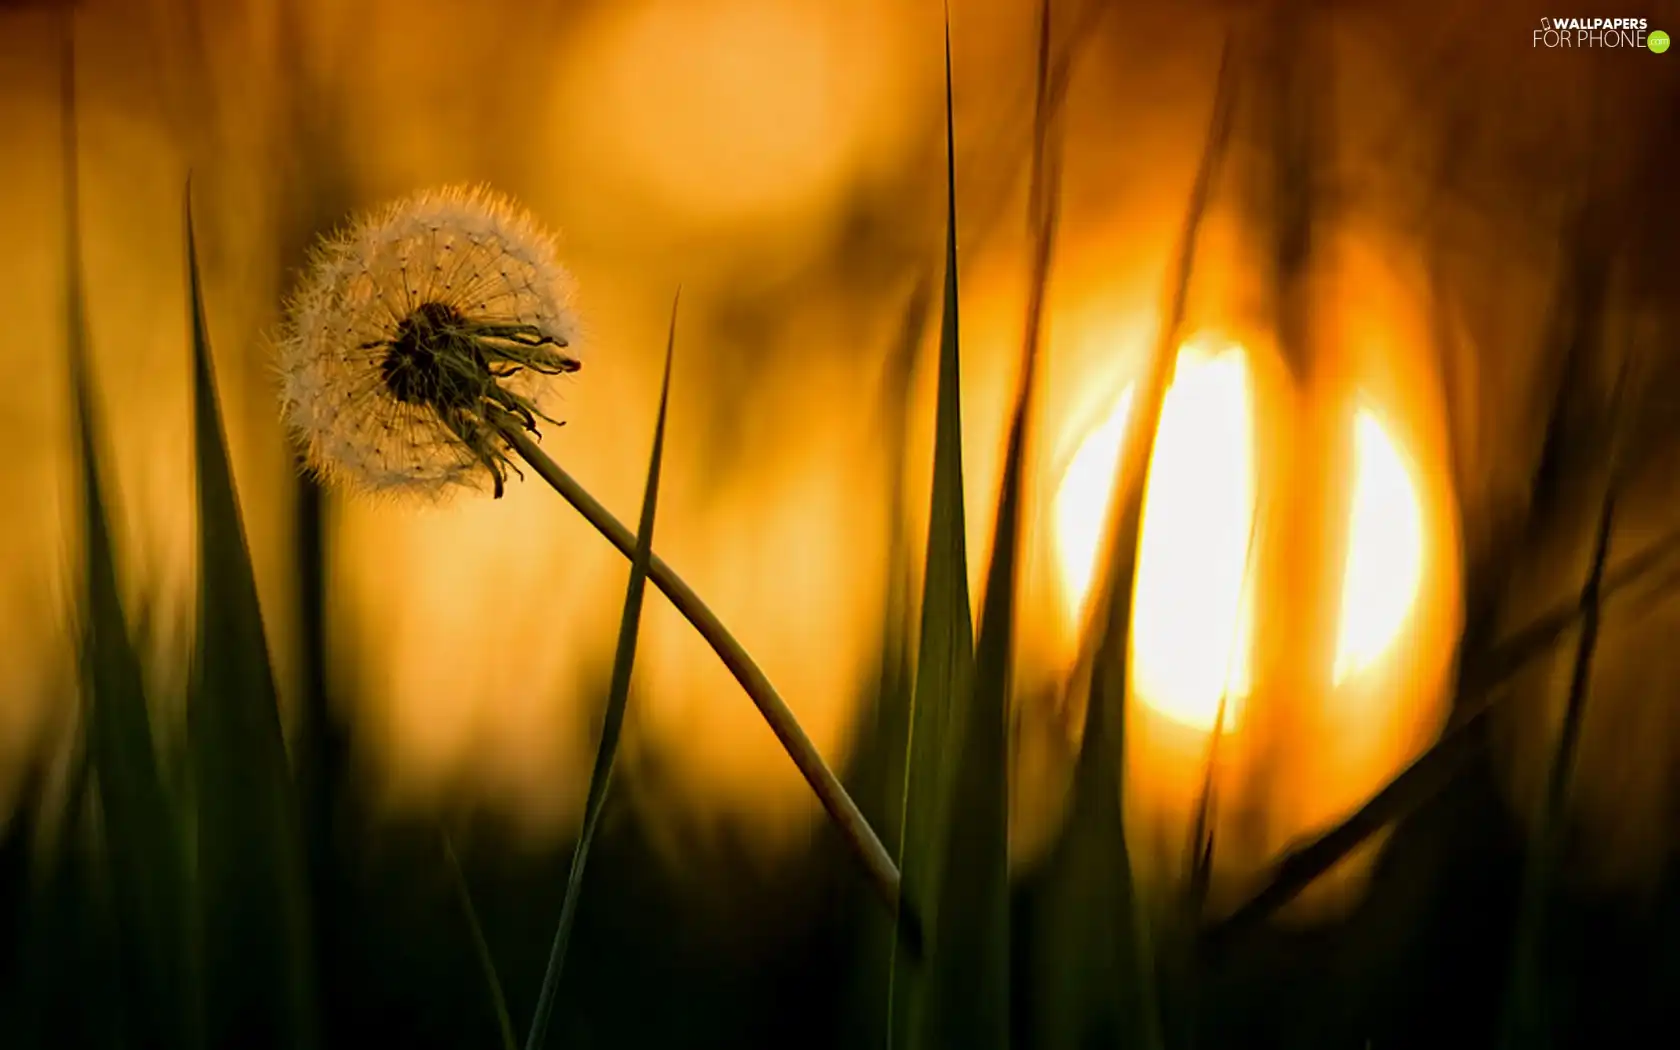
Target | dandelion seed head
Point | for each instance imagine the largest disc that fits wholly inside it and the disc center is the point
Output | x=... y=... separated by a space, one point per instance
x=414 y=329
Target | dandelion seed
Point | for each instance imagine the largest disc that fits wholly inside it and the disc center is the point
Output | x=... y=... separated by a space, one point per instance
x=417 y=334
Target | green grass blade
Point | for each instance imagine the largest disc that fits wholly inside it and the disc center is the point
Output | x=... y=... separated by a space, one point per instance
x=971 y=975
x=49 y=941
x=143 y=844
x=880 y=766
x=1097 y=965
x=251 y=875
x=1090 y=985
x=1478 y=697
x=860 y=838
x=618 y=699
x=875 y=773
x=481 y=946
x=876 y=770
x=945 y=661
x=1524 y=1021
x=17 y=847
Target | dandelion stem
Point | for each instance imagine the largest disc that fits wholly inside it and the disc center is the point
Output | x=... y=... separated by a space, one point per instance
x=877 y=862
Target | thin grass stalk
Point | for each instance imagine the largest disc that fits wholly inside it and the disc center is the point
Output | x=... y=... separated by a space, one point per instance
x=859 y=836
x=1485 y=661
x=1435 y=768
x=1523 y=1020
x=1114 y=612
x=878 y=767
x=17 y=844
x=1201 y=844
x=26 y=850
x=618 y=702
x=891 y=714
x=1139 y=441
x=481 y=945
x=1045 y=206
x=991 y=211
x=1104 y=657
x=1044 y=195
x=876 y=771
x=45 y=940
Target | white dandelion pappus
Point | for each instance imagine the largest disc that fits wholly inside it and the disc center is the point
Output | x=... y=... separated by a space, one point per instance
x=416 y=332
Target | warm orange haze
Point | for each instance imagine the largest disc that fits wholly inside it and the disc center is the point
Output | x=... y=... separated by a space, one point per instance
x=1317 y=525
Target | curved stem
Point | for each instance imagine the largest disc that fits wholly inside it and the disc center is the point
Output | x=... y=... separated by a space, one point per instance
x=864 y=843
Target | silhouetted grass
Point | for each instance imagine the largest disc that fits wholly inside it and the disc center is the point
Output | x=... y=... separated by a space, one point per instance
x=618 y=699
x=944 y=667
x=142 y=841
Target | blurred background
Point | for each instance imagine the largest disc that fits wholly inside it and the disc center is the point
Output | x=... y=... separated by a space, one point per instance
x=1494 y=239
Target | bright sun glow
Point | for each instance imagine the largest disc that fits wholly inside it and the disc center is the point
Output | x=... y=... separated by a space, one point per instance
x=1083 y=499
x=1385 y=550
x=1193 y=603
x=1191 y=609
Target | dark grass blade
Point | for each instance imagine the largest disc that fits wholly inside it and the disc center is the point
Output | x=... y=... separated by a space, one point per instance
x=38 y=939
x=618 y=699
x=17 y=848
x=881 y=768
x=50 y=938
x=945 y=660
x=1432 y=771
x=1524 y=1023
x=251 y=867
x=481 y=946
x=310 y=160
x=143 y=844
x=988 y=213
x=1486 y=663
x=876 y=773
x=969 y=964
x=860 y=838
x=1095 y=962
x=1093 y=983
x=1202 y=842
x=79 y=994
x=1487 y=660
x=970 y=976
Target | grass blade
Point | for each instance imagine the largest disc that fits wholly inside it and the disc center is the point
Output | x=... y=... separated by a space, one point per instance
x=1097 y=976
x=843 y=811
x=481 y=946
x=971 y=972
x=618 y=699
x=17 y=846
x=875 y=773
x=142 y=836
x=945 y=661
x=50 y=941
x=1524 y=1021
x=251 y=871
x=876 y=770
x=880 y=767
x=1487 y=661
x=1436 y=767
